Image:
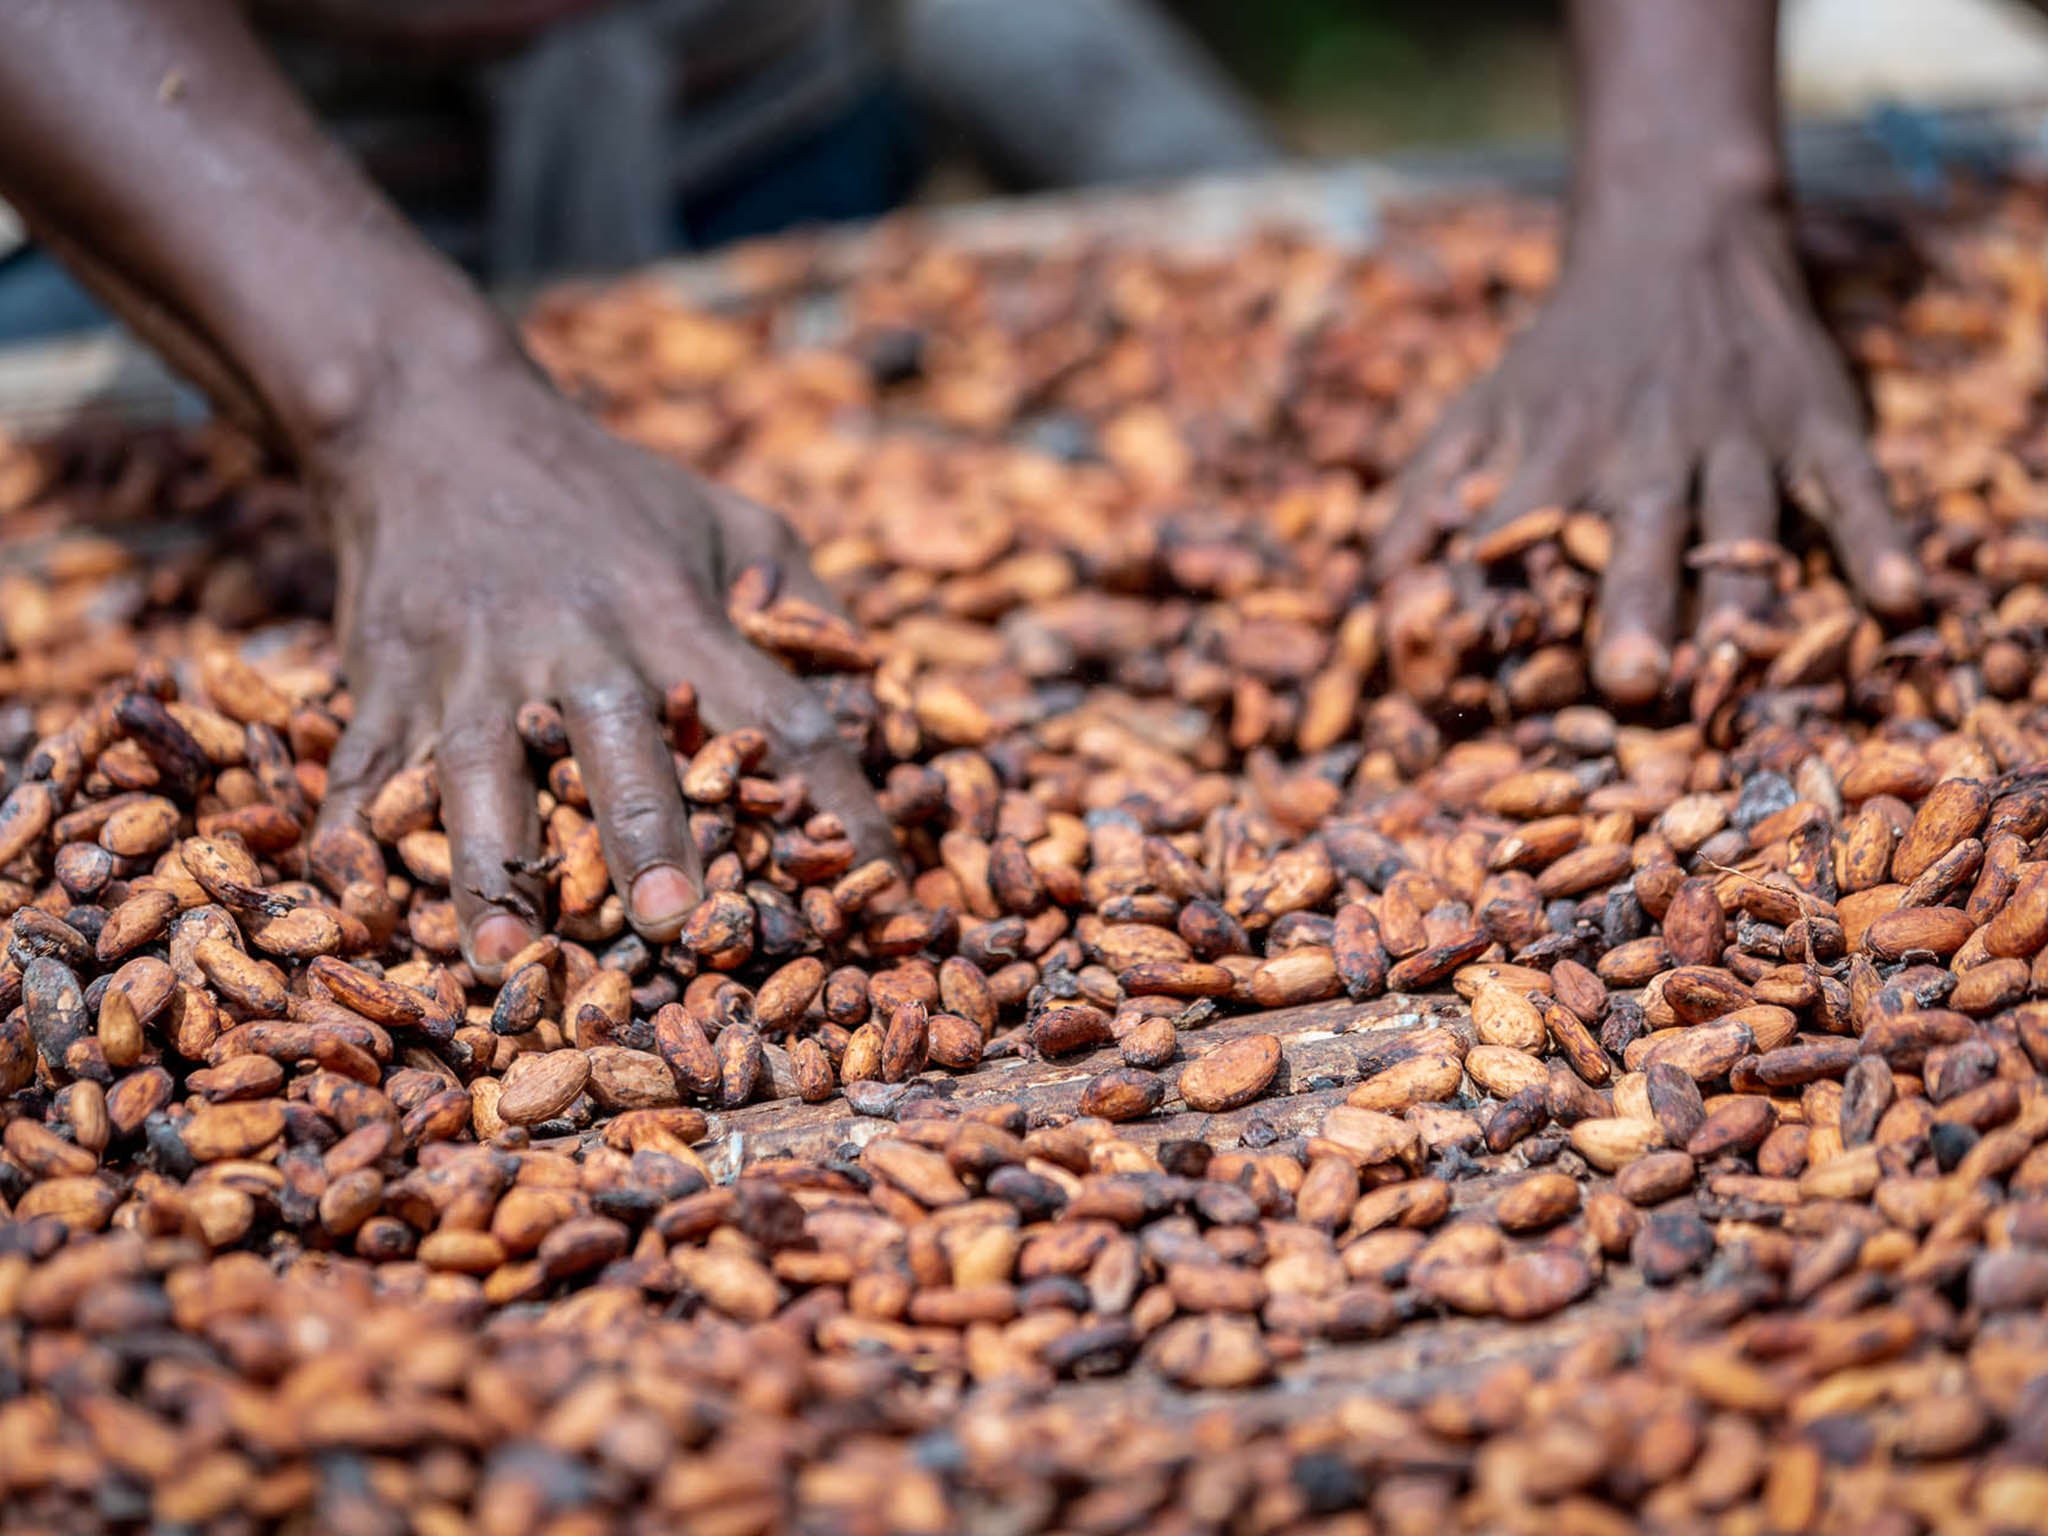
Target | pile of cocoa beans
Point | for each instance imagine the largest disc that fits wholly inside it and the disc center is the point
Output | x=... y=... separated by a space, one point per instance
x=1318 y=1069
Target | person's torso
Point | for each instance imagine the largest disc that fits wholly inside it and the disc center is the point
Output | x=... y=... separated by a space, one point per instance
x=531 y=134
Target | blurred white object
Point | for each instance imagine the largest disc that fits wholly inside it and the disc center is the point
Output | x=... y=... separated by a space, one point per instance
x=1844 y=55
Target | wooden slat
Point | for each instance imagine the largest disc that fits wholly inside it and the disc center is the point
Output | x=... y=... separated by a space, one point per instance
x=1319 y=1043
x=1404 y=1369
x=1339 y=1384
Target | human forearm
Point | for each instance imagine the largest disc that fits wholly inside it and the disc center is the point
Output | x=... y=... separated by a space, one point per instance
x=153 y=141
x=495 y=545
x=1676 y=108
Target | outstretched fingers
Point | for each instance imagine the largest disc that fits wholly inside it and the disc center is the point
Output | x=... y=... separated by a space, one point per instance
x=375 y=746
x=751 y=689
x=1640 y=592
x=1427 y=500
x=1739 y=529
x=1553 y=471
x=1867 y=537
x=750 y=534
x=487 y=806
x=630 y=777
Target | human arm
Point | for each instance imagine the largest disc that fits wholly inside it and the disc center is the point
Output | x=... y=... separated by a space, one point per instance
x=1677 y=378
x=494 y=544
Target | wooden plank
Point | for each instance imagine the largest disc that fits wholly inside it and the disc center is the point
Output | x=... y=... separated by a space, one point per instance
x=1405 y=1370
x=1319 y=1044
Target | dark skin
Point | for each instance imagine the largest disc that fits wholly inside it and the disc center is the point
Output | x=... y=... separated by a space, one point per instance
x=495 y=545
x=1677 y=379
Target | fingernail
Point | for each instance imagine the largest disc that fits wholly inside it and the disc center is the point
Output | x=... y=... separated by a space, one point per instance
x=1631 y=669
x=1895 y=582
x=1720 y=627
x=498 y=938
x=662 y=897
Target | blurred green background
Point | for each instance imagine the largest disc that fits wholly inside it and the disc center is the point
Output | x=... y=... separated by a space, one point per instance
x=1363 y=76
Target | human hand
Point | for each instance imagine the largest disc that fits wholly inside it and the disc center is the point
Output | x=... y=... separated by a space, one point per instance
x=1676 y=380
x=497 y=546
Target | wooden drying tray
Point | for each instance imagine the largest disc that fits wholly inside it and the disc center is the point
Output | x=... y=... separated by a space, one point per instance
x=42 y=385
x=1319 y=1046
x=1858 y=160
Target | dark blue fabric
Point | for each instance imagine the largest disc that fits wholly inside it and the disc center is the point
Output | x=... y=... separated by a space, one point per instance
x=39 y=299
x=858 y=167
